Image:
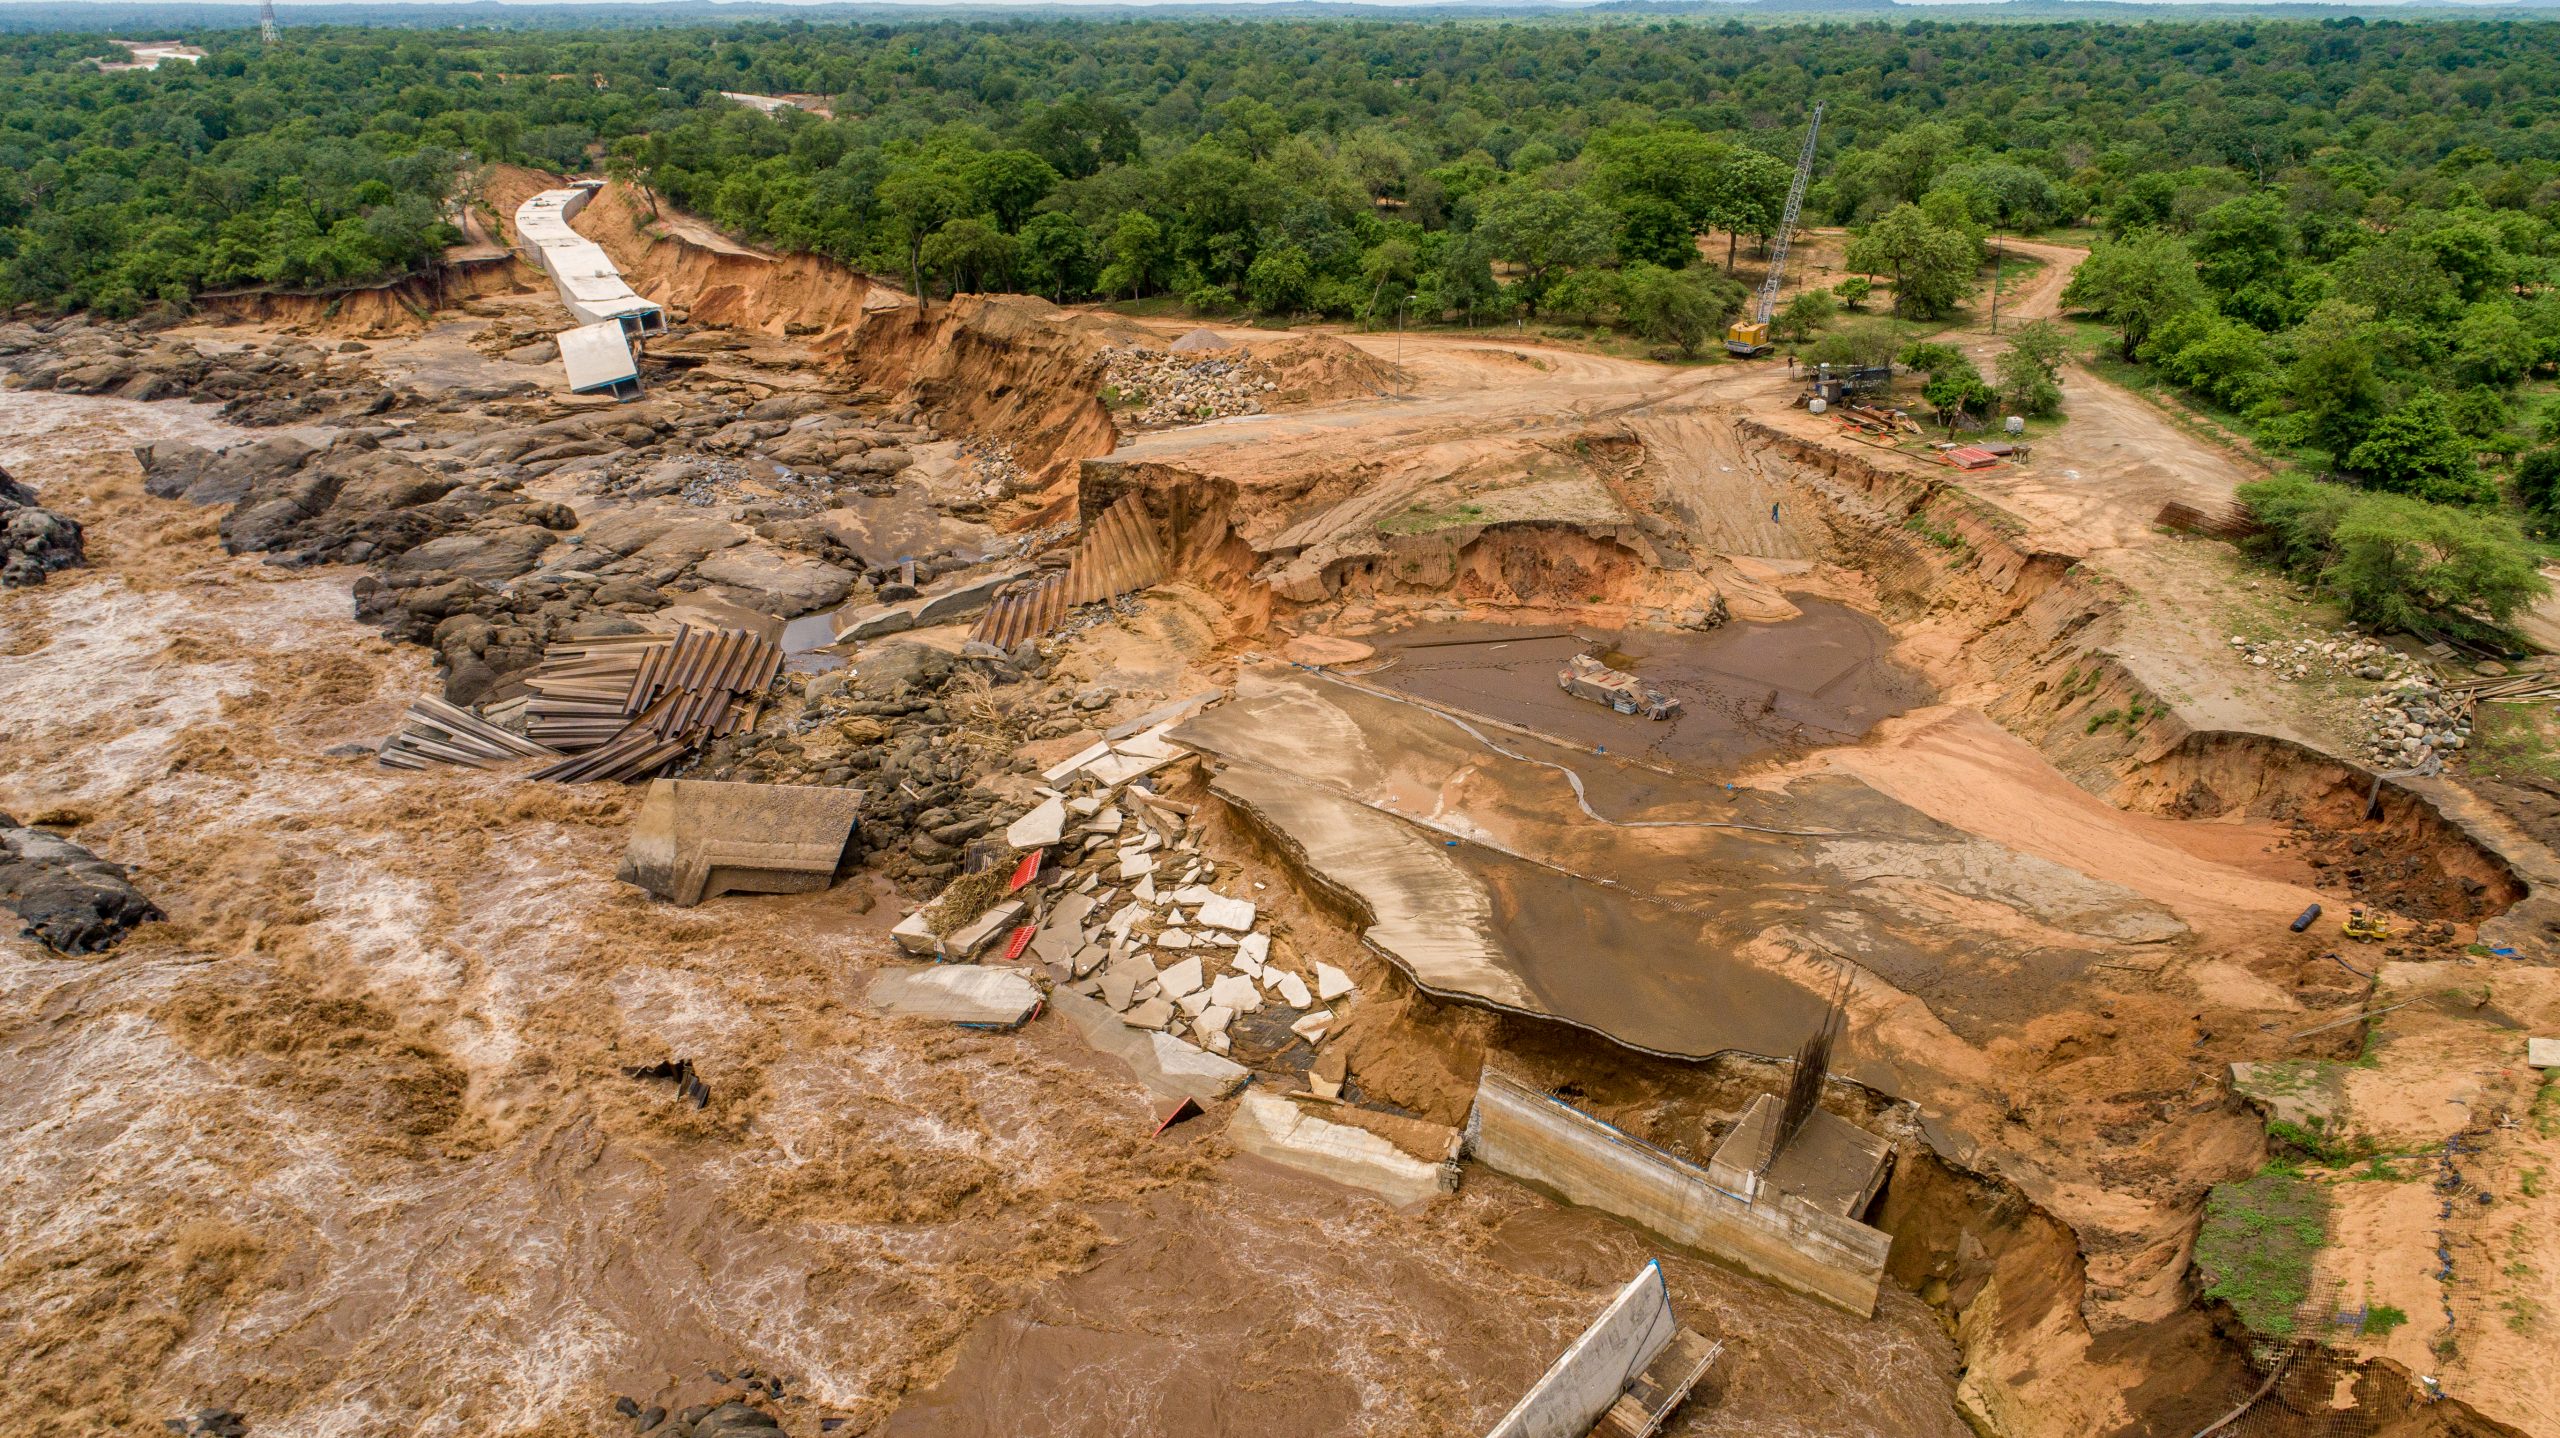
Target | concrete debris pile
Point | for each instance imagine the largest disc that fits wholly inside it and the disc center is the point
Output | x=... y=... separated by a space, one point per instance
x=440 y=734
x=1154 y=389
x=1134 y=914
x=1118 y=554
x=1000 y=475
x=34 y=541
x=65 y=897
x=917 y=728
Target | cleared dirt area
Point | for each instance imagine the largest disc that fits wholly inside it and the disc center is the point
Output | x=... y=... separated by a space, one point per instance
x=1972 y=745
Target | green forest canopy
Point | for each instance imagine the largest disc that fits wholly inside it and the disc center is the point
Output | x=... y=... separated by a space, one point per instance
x=1343 y=158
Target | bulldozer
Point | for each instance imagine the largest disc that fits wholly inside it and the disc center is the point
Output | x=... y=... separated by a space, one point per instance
x=2366 y=928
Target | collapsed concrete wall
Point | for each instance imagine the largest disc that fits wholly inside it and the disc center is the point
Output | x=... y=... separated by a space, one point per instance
x=1579 y=1387
x=1515 y=1129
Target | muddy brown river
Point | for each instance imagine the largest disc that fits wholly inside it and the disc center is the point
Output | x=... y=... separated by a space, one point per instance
x=345 y=1146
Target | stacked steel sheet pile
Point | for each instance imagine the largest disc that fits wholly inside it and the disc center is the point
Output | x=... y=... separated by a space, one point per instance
x=628 y=707
x=439 y=733
x=1120 y=553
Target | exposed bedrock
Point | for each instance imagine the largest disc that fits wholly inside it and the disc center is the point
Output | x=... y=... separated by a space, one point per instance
x=65 y=897
x=34 y=541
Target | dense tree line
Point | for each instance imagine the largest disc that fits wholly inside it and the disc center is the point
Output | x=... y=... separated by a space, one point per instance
x=1348 y=168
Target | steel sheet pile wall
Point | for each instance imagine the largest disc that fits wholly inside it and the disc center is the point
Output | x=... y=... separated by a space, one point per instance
x=1517 y=1130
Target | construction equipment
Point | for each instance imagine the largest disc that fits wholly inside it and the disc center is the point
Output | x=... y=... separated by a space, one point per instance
x=1751 y=336
x=2366 y=928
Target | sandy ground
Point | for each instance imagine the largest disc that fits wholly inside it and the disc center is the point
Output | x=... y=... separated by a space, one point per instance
x=344 y=1145
x=2446 y=1099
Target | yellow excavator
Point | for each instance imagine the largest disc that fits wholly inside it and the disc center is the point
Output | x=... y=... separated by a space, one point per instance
x=1751 y=336
x=2366 y=928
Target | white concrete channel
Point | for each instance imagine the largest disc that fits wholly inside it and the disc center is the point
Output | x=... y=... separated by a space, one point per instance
x=599 y=355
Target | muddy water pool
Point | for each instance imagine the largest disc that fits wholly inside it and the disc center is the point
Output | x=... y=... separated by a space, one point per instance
x=1748 y=690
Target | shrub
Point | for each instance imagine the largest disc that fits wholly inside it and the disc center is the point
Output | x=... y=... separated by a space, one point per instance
x=2394 y=561
x=2416 y=450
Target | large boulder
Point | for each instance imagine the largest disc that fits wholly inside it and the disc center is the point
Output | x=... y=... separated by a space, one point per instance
x=775 y=581
x=490 y=555
x=34 y=541
x=67 y=898
x=173 y=469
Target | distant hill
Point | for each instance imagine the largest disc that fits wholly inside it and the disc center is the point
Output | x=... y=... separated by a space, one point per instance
x=175 y=16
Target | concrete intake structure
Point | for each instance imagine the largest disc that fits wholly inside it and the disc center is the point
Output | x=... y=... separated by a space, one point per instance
x=588 y=281
x=1517 y=1130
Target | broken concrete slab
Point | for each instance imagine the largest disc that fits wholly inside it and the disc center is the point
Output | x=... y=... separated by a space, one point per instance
x=980 y=997
x=1046 y=824
x=1136 y=865
x=1236 y=992
x=1165 y=1065
x=1311 y=1027
x=1293 y=991
x=963 y=944
x=1332 y=983
x=696 y=839
x=1153 y=1014
x=1234 y=915
x=2542 y=1053
x=915 y=934
x=1062 y=933
x=1119 y=988
x=1279 y=1131
x=1181 y=979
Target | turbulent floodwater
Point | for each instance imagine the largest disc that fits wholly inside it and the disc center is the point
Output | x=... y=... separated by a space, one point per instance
x=345 y=1146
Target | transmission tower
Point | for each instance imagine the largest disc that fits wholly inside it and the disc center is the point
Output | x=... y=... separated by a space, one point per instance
x=267 y=21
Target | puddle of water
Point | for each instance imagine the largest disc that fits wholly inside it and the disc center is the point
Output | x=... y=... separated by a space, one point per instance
x=1747 y=690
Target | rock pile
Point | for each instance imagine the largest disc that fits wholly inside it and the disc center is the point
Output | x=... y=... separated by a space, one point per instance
x=725 y=492
x=34 y=541
x=2414 y=723
x=919 y=730
x=67 y=898
x=2348 y=653
x=1153 y=389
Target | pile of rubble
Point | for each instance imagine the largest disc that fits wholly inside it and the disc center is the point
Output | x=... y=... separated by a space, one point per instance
x=1121 y=905
x=1157 y=390
x=917 y=729
x=2413 y=723
x=2347 y=654
x=1000 y=475
x=34 y=541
